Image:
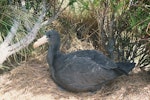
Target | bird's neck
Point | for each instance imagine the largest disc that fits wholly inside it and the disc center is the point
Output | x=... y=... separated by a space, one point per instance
x=52 y=51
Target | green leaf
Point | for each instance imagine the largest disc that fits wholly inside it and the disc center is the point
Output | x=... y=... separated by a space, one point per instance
x=71 y=2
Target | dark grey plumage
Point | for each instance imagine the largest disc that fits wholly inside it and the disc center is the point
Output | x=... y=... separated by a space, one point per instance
x=84 y=70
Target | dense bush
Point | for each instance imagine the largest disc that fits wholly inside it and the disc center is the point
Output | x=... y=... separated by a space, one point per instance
x=117 y=28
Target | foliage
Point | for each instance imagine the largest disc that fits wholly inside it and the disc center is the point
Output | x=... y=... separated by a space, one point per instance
x=118 y=28
x=7 y=15
x=121 y=28
x=20 y=21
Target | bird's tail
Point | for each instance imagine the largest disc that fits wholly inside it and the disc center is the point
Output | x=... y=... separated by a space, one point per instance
x=124 y=67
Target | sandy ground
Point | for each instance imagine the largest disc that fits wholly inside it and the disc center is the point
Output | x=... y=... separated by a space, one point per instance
x=31 y=81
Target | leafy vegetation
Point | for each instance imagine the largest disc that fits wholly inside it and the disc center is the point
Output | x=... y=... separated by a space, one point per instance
x=121 y=29
x=118 y=28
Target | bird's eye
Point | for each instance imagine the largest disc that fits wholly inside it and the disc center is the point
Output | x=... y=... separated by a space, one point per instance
x=48 y=35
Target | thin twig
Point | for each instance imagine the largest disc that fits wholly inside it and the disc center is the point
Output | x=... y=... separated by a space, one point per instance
x=50 y=20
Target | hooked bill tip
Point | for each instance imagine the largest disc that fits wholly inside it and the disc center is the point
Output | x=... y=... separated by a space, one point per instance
x=35 y=45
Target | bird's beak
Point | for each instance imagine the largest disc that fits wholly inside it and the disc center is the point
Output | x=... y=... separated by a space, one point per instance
x=40 y=41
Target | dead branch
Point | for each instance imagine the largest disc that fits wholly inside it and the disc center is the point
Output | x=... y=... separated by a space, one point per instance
x=30 y=36
x=11 y=34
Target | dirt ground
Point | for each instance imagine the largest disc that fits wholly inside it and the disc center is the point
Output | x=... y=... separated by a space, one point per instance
x=31 y=81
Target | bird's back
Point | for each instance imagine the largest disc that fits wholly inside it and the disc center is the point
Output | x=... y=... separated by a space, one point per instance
x=76 y=73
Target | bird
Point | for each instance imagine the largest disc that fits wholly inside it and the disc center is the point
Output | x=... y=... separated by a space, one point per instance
x=83 y=70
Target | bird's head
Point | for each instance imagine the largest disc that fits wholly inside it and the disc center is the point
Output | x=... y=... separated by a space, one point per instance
x=52 y=37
